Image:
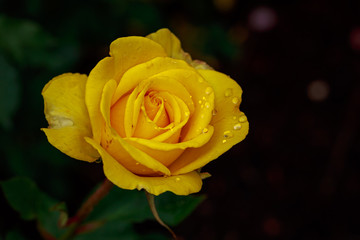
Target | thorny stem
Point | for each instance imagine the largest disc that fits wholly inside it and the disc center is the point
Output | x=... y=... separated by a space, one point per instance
x=86 y=208
x=151 y=201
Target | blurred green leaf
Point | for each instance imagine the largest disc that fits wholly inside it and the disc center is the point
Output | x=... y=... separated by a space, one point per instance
x=9 y=92
x=173 y=209
x=132 y=206
x=14 y=235
x=119 y=204
x=29 y=45
x=112 y=230
x=26 y=198
x=24 y=40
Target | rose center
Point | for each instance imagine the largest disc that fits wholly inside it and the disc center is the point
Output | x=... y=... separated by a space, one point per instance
x=155 y=109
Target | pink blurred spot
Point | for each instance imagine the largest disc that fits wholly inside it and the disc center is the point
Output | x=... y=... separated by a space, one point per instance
x=355 y=39
x=262 y=19
x=272 y=227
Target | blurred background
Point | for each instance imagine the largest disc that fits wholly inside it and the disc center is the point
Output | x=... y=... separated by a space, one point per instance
x=295 y=176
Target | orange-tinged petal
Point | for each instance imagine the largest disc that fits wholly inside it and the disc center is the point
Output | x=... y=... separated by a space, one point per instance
x=230 y=125
x=130 y=157
x=117 y=115
x=170 y=43
x=184 y=184
x=68 y=119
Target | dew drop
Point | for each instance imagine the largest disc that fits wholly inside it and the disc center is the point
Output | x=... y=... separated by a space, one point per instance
x=228 y=134
x=234 y=117
x=200 y=101
x=224 y=141
x=228 y=92
x=205 y=130
x=208 y=90
x=214 y=112
x=137 y=163
x=187 y=114
x=177 y=179
x=242 y=119
x=237 y=126
x=207 y=105
x=201 y=80
x=235 y=100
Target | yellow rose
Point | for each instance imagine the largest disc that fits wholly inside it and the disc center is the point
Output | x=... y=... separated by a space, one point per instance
x=153 y=115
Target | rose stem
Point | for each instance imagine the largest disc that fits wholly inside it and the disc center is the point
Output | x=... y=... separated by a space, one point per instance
x=151 y=201
x=86 y=208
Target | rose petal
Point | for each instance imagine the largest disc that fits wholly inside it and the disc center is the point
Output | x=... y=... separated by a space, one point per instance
x=170 y=43
x=167 y=153
x=231 y=125
x=144 y=71
x=67 y=116
x=131 y=51
x=180 y=185
x=130 y=157
x=125 y=53
x=202 y=98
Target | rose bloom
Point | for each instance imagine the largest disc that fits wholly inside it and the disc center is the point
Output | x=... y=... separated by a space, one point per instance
x=152 y=114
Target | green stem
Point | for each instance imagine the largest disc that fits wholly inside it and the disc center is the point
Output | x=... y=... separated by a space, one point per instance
x=151 y=201
x=86 y=209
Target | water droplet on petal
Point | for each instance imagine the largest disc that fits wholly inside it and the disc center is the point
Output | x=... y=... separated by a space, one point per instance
x=137 y=163
x=205 y=130
x=235 y=100
x=201 y=80
x=207 y=105
x=208 y=90
x=214 y=112
x=228 y=92
x=224 y=141
x=228 y=134
x=187 y=114
x=242 y=119
x=237 y=126
x=200 y=101
x=177 y=179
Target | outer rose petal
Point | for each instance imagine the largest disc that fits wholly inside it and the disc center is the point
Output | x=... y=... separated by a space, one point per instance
x=172 y=46
x=170 y=43
x=125 y=53
x=230 y=125
x=67 y=116
x=180 y=185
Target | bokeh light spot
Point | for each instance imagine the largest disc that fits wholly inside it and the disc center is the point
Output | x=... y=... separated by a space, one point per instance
x=318 y=90
x=262 y=19
x=355 y=39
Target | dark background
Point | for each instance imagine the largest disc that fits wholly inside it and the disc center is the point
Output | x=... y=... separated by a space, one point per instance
x=295 y=176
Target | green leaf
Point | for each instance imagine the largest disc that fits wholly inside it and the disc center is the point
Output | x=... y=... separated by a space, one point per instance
x=112 y=230
x=120 y=204
x=173 y=209
x=32 y=204
x=9 y=92
x=131 y=206
x=14 y=235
